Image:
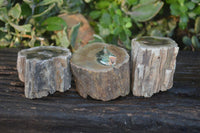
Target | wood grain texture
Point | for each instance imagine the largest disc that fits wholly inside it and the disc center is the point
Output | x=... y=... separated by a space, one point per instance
x=99 y=81
x=153 y=65
x=176 y=110
x=44 y=70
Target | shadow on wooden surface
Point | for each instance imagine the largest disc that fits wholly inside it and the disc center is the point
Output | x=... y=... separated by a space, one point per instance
x=176 y=110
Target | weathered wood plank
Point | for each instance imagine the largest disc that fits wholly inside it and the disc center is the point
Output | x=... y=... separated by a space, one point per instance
x=177 y=110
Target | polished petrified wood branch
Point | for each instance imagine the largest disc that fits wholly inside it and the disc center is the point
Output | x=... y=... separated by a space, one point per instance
x=44 y=70
x=101 y=71
x=153 y=65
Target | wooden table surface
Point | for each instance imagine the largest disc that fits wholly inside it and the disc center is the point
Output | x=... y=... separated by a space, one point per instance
x=176 y=110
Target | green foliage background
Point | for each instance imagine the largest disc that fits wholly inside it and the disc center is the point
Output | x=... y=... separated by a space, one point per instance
x=29 y=23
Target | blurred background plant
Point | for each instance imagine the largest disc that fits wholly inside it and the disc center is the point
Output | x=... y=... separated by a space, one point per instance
x=188 y=14
x=116 y=21
x=35 y=22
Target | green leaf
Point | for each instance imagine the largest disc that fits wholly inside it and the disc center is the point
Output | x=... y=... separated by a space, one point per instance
x=31 y=43
x=3 y=14
x=45 y=11
x=196 y=1
x=87 y=1
x=54 y=24
x=156 y=32
x=26 y=10
x=4 y=43
x=175 y=9
x=103 y=31
x=15 y=12
x=128 y=32
x=48 y=2
x=116 y=19
x=3 y=29
x=128 y=25
x=117 y=30
x=192 y=15
x=1 y=3
x=122 y=36
x=132 y=2
x=171 y=1
x=172 y=25
x=111 y=28
x=97 y=38
x=186 y=40
x=105 y=19
x=21 y=28
x=74 y=6
x=119 y=12
x=147 y=1
x=95 y=14
x=197 y=25
x=29 y=2
x=62 y=38
x=112 y=9
x=190 y=5
x=125 y=39
x=144 y=12
x=197 y=10
x=195 y=42
x=2 y=33
x=5 y=39
x=181 y=2
x=127 y=43
x=126 y=20
x=74 y=33
x=102 y=4
x=183 y=9
x=183 y=21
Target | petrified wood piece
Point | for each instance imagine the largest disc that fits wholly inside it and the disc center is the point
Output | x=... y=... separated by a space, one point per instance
x=153 y=65
x=96 y=79
x=44 y=70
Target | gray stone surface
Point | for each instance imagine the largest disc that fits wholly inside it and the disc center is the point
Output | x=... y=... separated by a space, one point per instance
x=44 y=70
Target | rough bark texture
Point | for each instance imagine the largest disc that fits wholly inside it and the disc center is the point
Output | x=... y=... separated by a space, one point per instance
x=85 y=33
x=153 y=65
x=44 y=70
x=99 y=81
x=174 y=111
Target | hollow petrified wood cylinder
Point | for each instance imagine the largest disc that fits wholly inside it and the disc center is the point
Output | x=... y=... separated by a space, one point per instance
x=153 y=65
x=44 y=70
x=100 y=81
